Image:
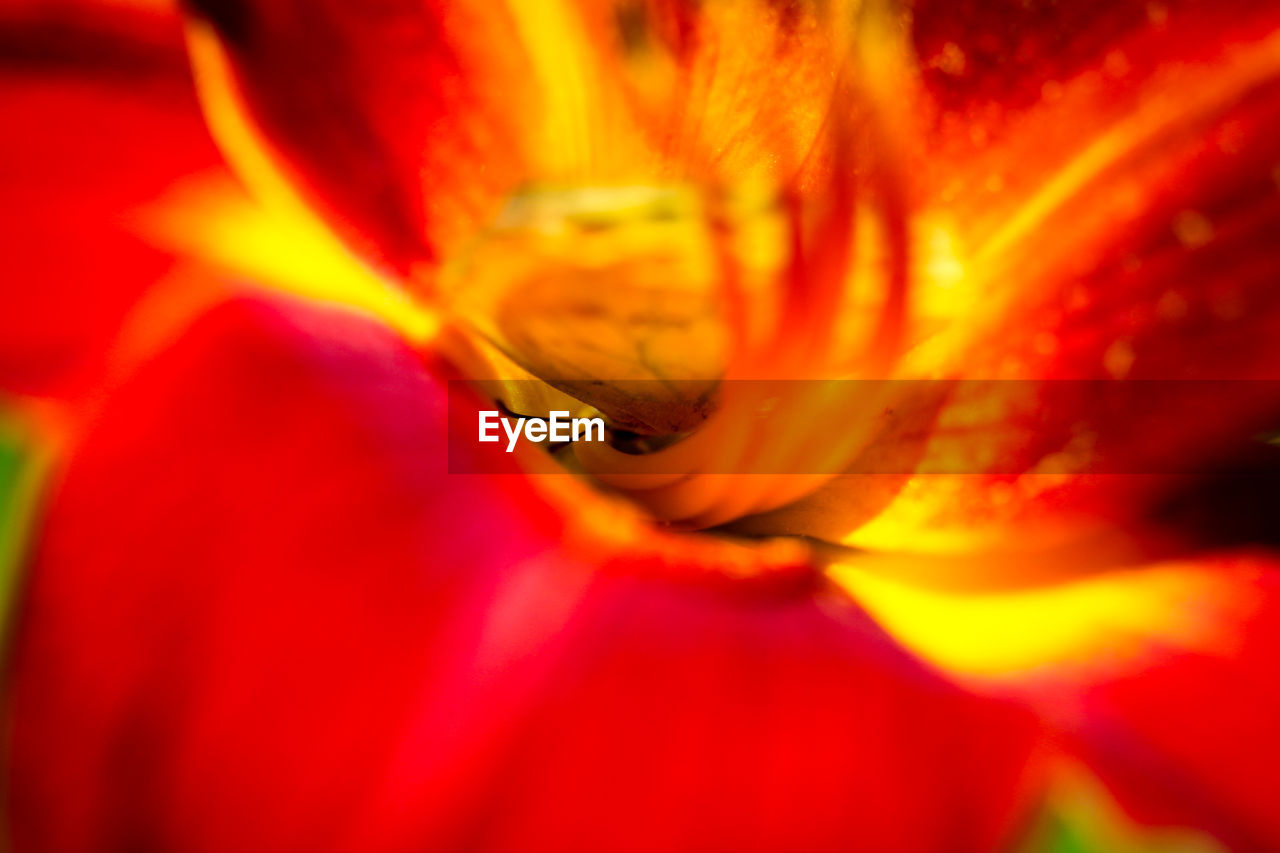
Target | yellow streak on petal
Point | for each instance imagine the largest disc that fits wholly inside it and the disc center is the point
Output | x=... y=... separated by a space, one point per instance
x=212 y=221
x=1106 y=622
x=1173 y=109
x=283 y=242
x=584 y=130
x=239 y=140
x=556 y=42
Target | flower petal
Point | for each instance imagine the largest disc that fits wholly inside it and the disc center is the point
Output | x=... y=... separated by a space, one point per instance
x=1193 y=733
x=1140 y=252
x=703 y=79
x=987 y=62
x=109 y=123
x=402 y=126
x=264 y=614
x=1157 y=678
x=407 y=127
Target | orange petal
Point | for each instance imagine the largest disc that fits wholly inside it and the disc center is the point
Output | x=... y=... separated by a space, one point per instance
x=1142 y=252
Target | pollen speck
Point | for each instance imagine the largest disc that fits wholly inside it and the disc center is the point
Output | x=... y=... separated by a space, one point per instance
x=1116 y=65
x=1228 y=304
x=1045 y=343
x=1118 y=359
x=1171 y=306
x=1192 y=228
x=950 y=60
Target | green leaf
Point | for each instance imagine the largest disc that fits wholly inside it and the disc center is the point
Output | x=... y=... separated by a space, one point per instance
x=24 y=464
x=1079 y=815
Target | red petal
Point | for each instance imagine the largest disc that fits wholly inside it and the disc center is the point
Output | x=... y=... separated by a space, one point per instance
x=105 y=127
x=1159 y=678
x=988 y=61
x=1192 y=735
x=264 y=616
x=402 y=126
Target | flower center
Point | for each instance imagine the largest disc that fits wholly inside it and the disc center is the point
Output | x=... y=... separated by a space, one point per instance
x=716 y=330
x=606 y=294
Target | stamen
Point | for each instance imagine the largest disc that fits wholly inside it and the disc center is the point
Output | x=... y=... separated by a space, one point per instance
x=741 y=460
x=784 y=416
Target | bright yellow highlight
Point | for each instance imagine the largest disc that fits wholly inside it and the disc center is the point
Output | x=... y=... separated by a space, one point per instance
x=584 y=132
x=214 y=222
x=555 y=42
x=283 y=242
x=1104 y=622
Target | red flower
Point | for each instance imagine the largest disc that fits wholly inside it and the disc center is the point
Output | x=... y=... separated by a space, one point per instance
x=264 y=608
